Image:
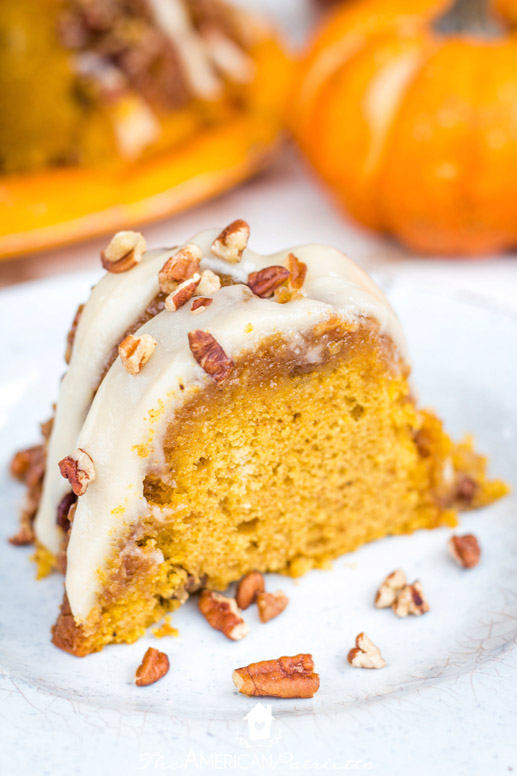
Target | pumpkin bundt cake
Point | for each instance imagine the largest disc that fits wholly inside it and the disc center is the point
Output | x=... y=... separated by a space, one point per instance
x=91 y=81
x=222 y=412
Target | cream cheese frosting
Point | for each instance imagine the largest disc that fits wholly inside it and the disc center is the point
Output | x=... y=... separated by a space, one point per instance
x=122 y=427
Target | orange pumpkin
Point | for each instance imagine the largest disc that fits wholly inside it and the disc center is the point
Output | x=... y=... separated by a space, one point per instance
x=413 y=126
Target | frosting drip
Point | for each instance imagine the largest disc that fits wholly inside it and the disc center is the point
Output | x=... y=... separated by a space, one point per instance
x=121 y=429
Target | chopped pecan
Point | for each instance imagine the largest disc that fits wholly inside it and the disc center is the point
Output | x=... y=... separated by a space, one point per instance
x=79 y=470
x=270 y=605
x=264 y=282
x=248 y=588
x=465 y=550
x=210 y=355
x=24 y=536
x=154 y=666
x=179 y=267
x=410 y=600
x=63 y=511
x=466 y=489
x=134 y=352
x=209 y=283
x=71 y=334
x=291 y=288
x=28 y=465
x=223 y=614
x=297 y=272
x=285 y=677
x=389 y=589
x=200 y=304
x=365 y=654
x=46 y=427
x=232 y=241
x=182 y=293
x=124 y=252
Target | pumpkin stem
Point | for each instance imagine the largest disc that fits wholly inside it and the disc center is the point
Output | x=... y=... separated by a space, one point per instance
x=469 y=17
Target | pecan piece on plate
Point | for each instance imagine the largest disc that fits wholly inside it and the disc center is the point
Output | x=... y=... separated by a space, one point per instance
x=389 y=589
x=465 y=550
x=285 y=677
x=248 y=589
x=154 y=666
x=223 y=614
x=270 y=605
x=365 y=654
x=410 y=600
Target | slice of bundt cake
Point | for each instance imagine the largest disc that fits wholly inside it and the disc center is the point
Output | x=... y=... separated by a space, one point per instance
x=225 y=411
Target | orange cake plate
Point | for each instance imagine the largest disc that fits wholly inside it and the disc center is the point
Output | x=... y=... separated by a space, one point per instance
x=57 y=207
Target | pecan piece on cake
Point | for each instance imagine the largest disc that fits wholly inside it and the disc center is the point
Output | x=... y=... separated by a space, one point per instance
x=209 y=283
x=223 y=614
x=79 y=470
x=232 y=241
x=199 y=304
x=180 y=267
x=209 y=355
x=285 y=677
x=124 y=252
x=154 y=666
x=134 y=352
x=265 y=281
x=465 y=550
x=365 y=654
x=182 y=294
x=249 y=588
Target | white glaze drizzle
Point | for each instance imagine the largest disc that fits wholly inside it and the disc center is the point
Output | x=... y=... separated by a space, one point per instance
x=119 y=421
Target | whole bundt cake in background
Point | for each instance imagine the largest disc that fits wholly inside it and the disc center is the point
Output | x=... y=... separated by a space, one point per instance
x=225 y=411
x=95 y=80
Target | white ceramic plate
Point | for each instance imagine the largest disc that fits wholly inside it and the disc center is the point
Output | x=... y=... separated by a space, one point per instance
x=448 y=694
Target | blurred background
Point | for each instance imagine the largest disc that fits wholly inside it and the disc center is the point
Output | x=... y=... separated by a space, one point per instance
x=385 y=127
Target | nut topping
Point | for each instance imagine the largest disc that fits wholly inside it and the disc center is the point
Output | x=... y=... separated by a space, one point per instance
x=465 y=550
x=411 y=600
x=63 y=511
x=79 y=470
x=389 y=589
x=182 y=293
x=210 y=355
x=365 y=654
x=209 y=283
x=134 y=352
x=179 y=267
x=154 y=665
x=248 y=588
x=232 y=241
x=264 y=282
x=124 y=252
x=223 y=614
x=270 y=605
x=297 y=272
x=286 y=677
x=200 y=304
x=466 y=489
